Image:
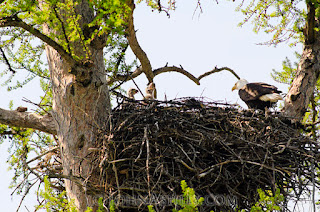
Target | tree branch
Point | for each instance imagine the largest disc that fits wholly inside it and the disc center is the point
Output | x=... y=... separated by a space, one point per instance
x=43 y=154
x=14 y=21
x=28 y=120
x=176 y=69
x=7 y=61
x=126 y=77
x=309 y=32
x=62 y=27
x=138 y=71
x=215 y=70
x=134 y=44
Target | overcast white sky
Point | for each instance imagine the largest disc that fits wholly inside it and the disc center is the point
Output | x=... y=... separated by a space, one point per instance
x=198 y=43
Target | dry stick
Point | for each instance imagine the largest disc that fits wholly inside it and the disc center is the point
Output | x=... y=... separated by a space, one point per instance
x=39 y=156
x=114 y=168
x=18 y=186
x=184 y=152
x=147 y=161
x=136 y=86
x=26 y=208
x=211 y=168
x=314 y=117
x=165 y=69
x=186 y=165
x=215 y=70
x=7 y=61
x=140 y=150
x=29 y=187
x=25 y=194
x=180 y=70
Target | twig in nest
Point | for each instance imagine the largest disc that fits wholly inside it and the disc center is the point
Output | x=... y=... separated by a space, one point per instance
x=147 y=160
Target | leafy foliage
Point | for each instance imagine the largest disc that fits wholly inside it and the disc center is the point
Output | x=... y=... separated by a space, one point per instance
x=26 y=52
x=150 y=208
x=158 y=5
x=112 y=206
x=284 y=19
x=288 y=71
x=190 y=202
x=55 y=201
x=268 y=202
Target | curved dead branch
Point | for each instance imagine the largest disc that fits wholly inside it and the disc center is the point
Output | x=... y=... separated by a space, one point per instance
x=145 y=62
x=215 y=70
x=138 y=71
x=176 y=69
x=134 y=44
x=28 y=120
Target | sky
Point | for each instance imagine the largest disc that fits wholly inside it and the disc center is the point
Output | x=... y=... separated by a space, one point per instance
x=197 y=42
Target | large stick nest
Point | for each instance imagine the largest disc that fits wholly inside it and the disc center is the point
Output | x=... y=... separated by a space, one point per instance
x=224 y=154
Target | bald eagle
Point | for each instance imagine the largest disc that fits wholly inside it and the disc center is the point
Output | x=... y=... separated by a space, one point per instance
x=257 y=95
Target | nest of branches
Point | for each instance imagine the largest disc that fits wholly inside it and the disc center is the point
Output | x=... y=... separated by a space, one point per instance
x=223 y=153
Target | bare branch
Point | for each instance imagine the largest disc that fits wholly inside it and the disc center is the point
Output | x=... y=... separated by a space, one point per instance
x=166 y=68
x=125 y=77
x=41 y=155
x=121 y=57
x=62 y=27
x=215 y=70
x=134 y=44
x=28 y=120
x=7 y=61
x=176 y=69
x=14 y=21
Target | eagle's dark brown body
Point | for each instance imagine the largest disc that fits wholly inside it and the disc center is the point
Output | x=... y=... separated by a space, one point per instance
x=252 y=92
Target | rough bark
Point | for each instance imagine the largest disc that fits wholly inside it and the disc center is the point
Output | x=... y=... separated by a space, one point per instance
x=81 y=108
x=28 y=120
x=303 y=85
x=80 y=112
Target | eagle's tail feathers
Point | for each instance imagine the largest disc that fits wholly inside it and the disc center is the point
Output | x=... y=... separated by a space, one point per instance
x=274 y=97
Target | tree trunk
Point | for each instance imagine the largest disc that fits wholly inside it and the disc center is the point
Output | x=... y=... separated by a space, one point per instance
x=81 y=107
x=302 y=87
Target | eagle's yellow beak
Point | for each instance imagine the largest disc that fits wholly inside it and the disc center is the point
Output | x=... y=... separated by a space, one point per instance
x=234 y=88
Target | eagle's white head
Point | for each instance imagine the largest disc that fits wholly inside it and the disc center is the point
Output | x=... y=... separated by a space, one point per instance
x=240 y=84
